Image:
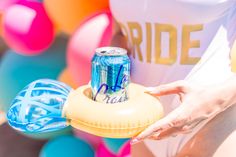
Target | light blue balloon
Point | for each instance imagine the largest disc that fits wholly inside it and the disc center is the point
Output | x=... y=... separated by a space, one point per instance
x=67 y=146
x=38 y=107
x=17 y=71
x=114 y=144
x=50 y=135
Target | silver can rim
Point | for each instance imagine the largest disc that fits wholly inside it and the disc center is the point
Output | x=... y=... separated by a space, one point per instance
x=111 y=51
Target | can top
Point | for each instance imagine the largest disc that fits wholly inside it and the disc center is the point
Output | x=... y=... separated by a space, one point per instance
x=111 y=51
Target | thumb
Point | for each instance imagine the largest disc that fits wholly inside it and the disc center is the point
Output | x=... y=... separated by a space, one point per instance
x=171 y=88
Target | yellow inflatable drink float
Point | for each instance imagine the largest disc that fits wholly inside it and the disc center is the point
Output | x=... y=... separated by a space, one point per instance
x=115 y=109
x=122 y=120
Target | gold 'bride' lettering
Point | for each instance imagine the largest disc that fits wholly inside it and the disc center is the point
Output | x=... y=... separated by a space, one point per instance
x=136 y=36
x=149 y=42
x=160 y=28
x=187 y=44
x=136 y=40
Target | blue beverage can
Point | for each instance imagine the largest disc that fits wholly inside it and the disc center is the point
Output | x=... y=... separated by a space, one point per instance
x=110 y=75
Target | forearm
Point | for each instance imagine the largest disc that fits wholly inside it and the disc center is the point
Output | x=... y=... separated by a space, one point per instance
x=119 y=40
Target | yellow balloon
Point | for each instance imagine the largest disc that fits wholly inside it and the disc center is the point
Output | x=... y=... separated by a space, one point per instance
x=65 y=77
x=68 y=14
x=121 y=120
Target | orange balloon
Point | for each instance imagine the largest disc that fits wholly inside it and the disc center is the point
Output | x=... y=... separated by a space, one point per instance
x=65 y=77
x=68 y=14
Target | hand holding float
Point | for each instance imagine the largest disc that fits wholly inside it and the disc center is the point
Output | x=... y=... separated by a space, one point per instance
x=111 y=108
x=47 y=105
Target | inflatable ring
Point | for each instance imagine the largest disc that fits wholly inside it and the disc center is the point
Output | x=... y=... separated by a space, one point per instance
x=121 y=120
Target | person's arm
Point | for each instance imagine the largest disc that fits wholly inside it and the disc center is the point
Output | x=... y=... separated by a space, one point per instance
x=198 y=104
x=118 y=39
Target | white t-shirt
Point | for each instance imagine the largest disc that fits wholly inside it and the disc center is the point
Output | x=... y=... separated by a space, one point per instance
x=178 y=39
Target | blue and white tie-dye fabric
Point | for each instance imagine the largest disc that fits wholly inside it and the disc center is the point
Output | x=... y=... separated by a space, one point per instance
x=38 y=107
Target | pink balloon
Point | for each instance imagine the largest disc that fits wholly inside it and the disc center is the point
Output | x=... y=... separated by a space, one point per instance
x=125 y=150
x=93 y=140
x=102 y=151
x=4 y=4
x=27 y=29
x=95 y=32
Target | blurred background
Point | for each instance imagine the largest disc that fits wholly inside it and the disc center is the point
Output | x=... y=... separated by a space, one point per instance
x=52 y=39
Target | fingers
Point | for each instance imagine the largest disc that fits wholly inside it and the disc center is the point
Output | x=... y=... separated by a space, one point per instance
x=188 y=127
x=179 y=126
x=171 y=132
x=163 y=124
x=171 y=88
